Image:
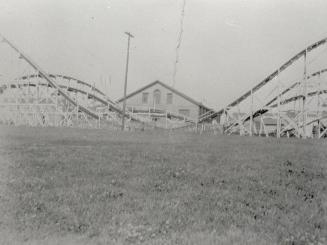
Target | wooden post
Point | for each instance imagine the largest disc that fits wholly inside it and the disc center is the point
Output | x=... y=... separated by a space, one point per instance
x=318 y=106
x=304 y=112
x=278 y=110
x=251 y=117
x=166 y=120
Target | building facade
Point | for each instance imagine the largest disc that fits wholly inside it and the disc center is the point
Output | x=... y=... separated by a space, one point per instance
x=160 y=97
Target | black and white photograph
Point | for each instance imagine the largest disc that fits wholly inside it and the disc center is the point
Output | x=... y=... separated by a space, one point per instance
x=165 y=122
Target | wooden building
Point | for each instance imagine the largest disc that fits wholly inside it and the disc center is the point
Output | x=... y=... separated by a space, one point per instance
x=160 y=97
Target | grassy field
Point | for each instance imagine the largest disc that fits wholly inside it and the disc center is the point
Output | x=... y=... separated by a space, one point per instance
x=71 y=186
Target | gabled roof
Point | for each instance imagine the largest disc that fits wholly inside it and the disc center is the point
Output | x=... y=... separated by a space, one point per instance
x=167 y=87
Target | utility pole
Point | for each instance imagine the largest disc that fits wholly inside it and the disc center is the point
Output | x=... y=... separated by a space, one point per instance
x=126 y=73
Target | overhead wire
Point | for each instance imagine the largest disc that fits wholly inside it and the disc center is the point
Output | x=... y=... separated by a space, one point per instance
x=179 y=42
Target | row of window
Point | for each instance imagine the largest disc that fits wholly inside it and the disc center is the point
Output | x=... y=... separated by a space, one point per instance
x=157 y=97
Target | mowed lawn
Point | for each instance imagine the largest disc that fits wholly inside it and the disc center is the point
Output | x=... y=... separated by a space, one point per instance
x=75 y=186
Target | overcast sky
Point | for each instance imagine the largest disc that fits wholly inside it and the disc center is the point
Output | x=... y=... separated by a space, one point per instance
x=227 y=47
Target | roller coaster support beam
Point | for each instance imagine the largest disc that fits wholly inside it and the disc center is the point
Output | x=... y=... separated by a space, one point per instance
x=318 y=105
x=47 y=77
x=251 y=117
x=304 y=84
x=278 y=109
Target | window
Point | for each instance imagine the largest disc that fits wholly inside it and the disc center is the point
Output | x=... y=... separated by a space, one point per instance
x=169 y=98
x=184 y=112
x=156 y=96
x=145 y=97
